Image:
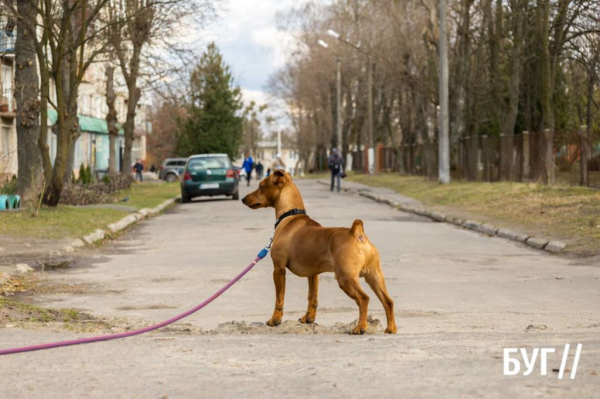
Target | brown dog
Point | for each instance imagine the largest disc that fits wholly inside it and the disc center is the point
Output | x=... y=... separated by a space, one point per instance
x=308 y=249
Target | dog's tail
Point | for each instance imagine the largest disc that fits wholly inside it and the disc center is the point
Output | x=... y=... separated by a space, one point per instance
x=358 y=231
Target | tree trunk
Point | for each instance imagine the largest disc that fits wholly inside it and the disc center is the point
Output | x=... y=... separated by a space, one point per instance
x=28 y=110
x=543 y=18
x=508 y=126
x=585 y=137
x=460 y=92
x=134 y=94
x=111 y=121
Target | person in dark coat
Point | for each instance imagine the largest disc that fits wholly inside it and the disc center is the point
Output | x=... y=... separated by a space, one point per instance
x=259 y=170
x=336 y=165
x=139 y=168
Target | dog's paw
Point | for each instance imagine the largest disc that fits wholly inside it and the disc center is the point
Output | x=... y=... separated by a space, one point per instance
x=306 y=320
x=357 y=331
x=273 y=322
x=390 y=330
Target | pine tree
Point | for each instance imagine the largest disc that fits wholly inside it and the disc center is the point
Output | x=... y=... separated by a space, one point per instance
x=213 y=122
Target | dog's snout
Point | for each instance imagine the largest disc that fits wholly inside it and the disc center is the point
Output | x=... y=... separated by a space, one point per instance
x=244 y=200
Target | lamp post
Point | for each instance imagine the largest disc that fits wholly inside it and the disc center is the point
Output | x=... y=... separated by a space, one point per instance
x=338 y=111
x=444 y=120
x=278 y=155
x=372 y=153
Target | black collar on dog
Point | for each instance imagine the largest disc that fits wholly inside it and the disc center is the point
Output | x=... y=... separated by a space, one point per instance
x=293 y=212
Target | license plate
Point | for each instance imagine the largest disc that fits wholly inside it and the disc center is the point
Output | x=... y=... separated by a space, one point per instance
x=209 y=185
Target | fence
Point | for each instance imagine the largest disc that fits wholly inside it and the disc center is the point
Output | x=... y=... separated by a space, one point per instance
x=520 y=157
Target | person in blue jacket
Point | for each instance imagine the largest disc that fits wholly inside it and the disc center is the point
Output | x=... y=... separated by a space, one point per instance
x=247 y=166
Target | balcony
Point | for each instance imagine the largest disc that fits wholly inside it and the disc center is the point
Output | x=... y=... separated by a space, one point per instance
x=7 y=42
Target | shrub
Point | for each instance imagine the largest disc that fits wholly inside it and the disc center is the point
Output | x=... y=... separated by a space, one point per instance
x=90 y=175
x=10 y=186
x=83 y=179
x=94 y=193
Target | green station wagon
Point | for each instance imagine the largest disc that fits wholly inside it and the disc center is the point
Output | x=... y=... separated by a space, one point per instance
x=209 y=175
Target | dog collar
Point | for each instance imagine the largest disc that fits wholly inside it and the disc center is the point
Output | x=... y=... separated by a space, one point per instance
x=293 y=212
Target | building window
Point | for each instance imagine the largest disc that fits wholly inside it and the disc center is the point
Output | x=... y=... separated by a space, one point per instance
x=7 y=87
x=5 y=141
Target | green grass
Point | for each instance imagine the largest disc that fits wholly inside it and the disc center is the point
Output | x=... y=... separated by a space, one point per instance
x=565 y=212
x=25 y=312
x=75 y=222
x=149 y=195
x=320 y=175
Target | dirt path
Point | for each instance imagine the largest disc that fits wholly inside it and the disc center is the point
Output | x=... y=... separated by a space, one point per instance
x=461 y=298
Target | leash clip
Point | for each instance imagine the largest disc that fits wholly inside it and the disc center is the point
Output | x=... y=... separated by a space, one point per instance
x=266 y=249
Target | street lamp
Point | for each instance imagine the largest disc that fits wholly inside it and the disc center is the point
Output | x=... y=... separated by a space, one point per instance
x=371 y=153
x=444 y=142
x=338 y=61
x=278 y=142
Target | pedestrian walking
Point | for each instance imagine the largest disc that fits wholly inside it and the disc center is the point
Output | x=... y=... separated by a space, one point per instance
x=139 y=168
x=247 y=166
x=259 y=170
x=336 y=165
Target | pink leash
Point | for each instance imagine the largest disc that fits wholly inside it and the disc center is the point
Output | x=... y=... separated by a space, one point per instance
x=32 y=348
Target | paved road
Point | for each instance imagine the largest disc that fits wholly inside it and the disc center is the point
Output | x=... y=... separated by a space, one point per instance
x=460 y=299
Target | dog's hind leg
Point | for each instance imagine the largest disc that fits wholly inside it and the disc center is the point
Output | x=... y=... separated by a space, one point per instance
x=279 y=279
x=377 y=283
x=313 y=300
x=352 y=288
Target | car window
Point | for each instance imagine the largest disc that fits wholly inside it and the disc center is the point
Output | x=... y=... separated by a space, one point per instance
x=181 y=163
x=209 y=163
x=172 y=163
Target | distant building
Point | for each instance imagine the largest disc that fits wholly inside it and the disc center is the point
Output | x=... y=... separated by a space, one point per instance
x=266 y=153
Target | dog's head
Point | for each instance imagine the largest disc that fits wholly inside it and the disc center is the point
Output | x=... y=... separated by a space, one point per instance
x=268 y=190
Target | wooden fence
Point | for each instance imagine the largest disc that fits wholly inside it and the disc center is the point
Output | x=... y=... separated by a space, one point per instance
x=481 y=158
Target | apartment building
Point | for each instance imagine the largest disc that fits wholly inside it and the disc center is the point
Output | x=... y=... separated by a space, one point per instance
x=8 y=134
x=92 y=146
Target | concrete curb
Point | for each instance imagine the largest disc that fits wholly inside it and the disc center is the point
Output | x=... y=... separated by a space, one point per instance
x=484 y=228
x=98 y=235
x=120 y=225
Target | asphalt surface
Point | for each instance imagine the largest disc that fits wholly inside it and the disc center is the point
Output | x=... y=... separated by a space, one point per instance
x=460 y=297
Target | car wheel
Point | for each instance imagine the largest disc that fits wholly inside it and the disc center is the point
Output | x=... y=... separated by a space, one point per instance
x=171 y=178
x=236 y=195
x=185 y=199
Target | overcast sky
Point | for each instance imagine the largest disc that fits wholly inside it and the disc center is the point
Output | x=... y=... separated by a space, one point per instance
x=247 y=35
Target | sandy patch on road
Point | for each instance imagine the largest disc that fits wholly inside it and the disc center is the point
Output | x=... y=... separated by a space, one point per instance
x=294 y=327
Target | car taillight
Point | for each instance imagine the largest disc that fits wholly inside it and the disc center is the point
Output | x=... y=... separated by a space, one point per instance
x=230 y=173
x=187 y=176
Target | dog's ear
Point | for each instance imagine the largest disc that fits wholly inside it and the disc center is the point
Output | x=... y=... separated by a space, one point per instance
x=279 y=176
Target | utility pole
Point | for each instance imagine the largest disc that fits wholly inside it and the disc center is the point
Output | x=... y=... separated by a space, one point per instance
x=372 y=149
x=338 y=61
x=444 y=139
x=278 y=143
x=371 y=162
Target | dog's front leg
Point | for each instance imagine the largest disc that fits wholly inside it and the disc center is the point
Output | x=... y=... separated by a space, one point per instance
x=279 y=279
